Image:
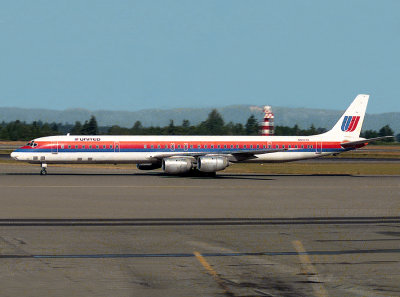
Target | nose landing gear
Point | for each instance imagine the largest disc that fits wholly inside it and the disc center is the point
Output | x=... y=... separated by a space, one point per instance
x=43 y=171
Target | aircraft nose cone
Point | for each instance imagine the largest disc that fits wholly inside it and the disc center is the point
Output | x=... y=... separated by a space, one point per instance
x=14 y=155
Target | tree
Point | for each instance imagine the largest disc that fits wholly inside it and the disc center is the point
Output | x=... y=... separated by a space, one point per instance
x=312 y=130
x=185 y=124
x=296 y=130
x=369 y=134
x=171 y=128
x=252 y=126
x=76 y=129
x=214 y=124
x=137 y=128
x=90 y=128
x=386 y=131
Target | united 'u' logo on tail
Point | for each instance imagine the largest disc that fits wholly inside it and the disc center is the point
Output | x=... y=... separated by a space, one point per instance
x=350 y=123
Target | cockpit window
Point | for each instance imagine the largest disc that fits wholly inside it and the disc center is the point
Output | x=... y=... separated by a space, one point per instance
x=31 y=144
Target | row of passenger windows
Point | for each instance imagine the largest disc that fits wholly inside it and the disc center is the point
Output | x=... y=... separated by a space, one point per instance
x=205 y=146
x=88 y=146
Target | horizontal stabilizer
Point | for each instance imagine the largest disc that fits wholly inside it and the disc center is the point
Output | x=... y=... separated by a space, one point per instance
x=363 y=141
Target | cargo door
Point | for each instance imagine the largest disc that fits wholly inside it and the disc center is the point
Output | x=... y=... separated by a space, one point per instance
x=54 y=147
x=318 y=147
x=117 y=148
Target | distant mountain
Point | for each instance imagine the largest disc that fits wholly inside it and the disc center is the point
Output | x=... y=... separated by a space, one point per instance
x=304 y=117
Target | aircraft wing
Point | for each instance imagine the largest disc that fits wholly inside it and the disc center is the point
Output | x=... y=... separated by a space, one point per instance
x=355 y=143
x=242 y=154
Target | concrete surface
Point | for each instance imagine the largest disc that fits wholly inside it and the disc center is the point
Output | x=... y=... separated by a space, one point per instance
x=106 y=232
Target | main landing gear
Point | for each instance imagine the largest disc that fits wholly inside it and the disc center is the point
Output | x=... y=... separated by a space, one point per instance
x=43 y=171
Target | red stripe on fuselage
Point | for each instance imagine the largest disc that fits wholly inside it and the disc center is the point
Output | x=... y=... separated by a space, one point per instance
x=70 y=145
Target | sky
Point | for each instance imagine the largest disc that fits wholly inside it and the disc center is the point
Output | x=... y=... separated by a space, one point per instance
x=133 y=55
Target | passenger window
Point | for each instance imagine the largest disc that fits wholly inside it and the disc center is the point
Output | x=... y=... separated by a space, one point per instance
x=97 y=146
x=205 y=146
x=69 y=147
x=264 y=146
x=179 y=146
x=302 y=146
x=277 y=146
x=83 y=146
x=158 y=146
x=283 y=146
x=231 y=146
x=166 y=146
x=152 y=146
x=269 y=146
x=237 y=146
x=191 y=146
x=62 y=146
x=90 y=146
x=76 y=146
x=199 y=146
x=295 y=146
x=258 y=146
x=244 y=146
x=219 y=146
x=290 y=146
x=212 y=146
x=104 y=146
x=111 y=146
x=145 y=146
x=251 y=146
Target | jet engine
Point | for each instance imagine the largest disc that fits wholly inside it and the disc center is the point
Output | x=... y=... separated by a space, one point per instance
x=177 y=165
x=148 y=166
x=212 y=163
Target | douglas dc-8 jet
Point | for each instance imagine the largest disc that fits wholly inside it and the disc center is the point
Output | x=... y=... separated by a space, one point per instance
x=182 y=154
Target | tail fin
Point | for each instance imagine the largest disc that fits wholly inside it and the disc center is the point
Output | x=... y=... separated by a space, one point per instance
x=350 y=124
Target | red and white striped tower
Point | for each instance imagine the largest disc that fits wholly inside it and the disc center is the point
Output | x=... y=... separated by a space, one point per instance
x=267 y=128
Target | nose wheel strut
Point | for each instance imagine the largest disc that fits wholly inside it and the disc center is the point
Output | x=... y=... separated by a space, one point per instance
x=43 y=171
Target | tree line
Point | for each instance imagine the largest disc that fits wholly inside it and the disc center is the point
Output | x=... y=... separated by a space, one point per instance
x=213 y=125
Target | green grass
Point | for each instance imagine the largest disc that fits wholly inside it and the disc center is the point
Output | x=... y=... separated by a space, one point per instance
x=331 y=168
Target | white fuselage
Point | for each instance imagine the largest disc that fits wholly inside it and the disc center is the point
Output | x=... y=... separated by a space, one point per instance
x=149 y=149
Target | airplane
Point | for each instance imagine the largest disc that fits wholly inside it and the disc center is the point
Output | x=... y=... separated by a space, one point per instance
x=202 y=154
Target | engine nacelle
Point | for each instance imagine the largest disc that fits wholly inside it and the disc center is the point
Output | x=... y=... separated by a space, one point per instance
x=177 y=165
x=212 y=163
x=148 y=166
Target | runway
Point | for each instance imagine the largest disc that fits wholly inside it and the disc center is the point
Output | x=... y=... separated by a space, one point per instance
x=106 y=232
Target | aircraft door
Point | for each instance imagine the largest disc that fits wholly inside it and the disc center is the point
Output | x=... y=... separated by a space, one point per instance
x=54 y=147
x=318 y=147
x=116 y=147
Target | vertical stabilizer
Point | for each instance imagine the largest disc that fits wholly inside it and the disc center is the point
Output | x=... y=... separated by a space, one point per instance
x=350 y=124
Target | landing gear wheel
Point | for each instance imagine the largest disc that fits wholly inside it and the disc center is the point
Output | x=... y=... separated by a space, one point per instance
x=43 y=171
